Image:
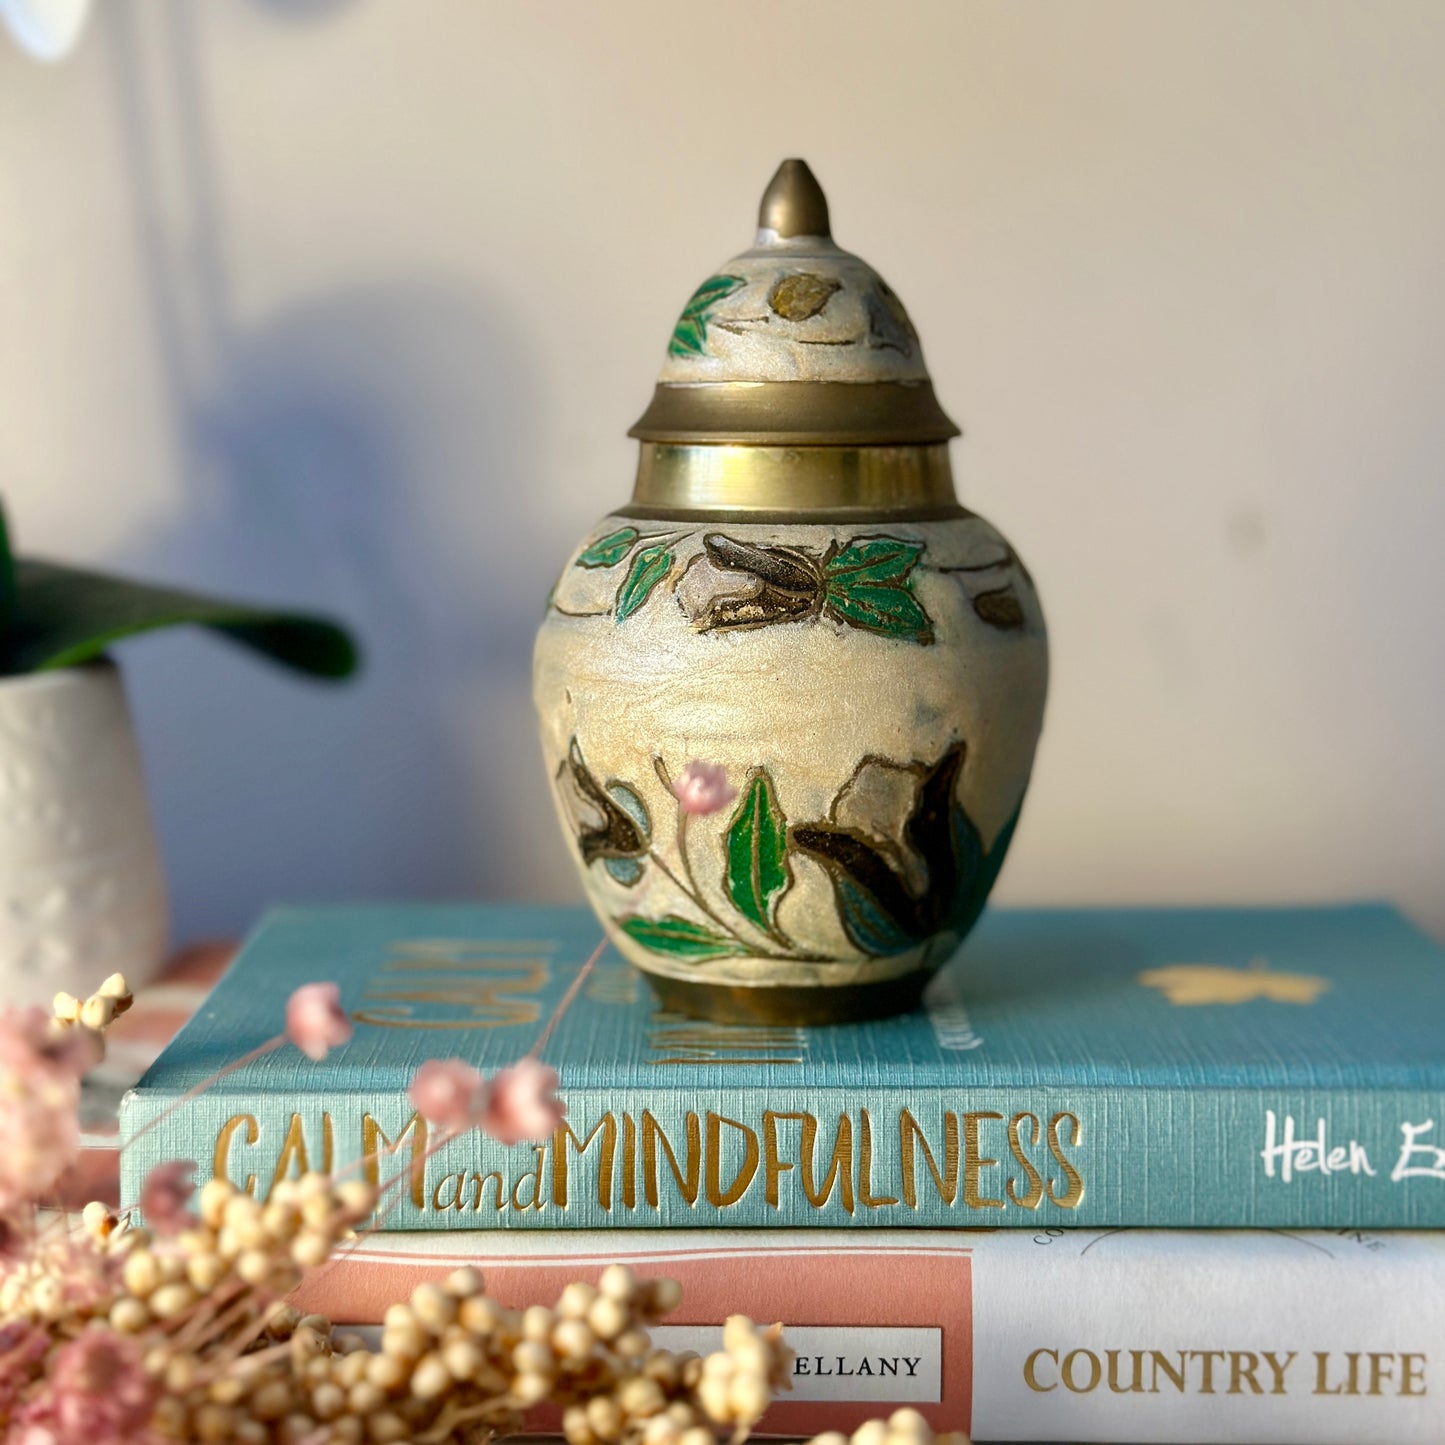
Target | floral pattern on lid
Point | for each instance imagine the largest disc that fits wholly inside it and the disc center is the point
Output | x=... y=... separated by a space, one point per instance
x=791 y=312
x=796 y=307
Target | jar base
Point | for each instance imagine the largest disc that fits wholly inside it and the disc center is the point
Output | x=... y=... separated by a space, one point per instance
x=789 y=1004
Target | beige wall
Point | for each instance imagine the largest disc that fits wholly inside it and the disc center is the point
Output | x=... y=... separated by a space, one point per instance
x=352 y=303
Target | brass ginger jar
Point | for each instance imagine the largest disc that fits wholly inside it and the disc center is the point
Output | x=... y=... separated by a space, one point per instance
x=789 y=695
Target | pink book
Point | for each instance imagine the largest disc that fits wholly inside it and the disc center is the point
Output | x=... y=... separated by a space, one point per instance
x=878 y=1321
x=1258 y=1337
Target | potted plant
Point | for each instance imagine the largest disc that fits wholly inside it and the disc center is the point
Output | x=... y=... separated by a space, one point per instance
x=81 y=887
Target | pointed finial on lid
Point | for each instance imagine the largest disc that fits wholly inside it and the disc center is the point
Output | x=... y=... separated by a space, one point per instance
x=794 y=203
x=794 y=343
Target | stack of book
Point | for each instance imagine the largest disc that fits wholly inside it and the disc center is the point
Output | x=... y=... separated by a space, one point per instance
x=1163 y=1175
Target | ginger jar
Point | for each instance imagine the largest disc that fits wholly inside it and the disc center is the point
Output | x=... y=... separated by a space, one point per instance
x=789 y=694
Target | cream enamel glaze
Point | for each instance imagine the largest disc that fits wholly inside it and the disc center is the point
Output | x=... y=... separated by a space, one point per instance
x=807 y=700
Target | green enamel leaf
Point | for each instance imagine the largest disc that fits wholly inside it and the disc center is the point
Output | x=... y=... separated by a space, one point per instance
x=64 y=616
x=648 y=568
x=680 y=938
x=893 y=611
x=870 y=585
x=689 y=336
x=610 y=550
x=975 y=890
x=713 y=289
x=757 y=852
x=875 y=559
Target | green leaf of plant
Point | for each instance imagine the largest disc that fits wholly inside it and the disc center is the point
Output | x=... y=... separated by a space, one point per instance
x=7 y=588
x=65 y=616
x=689 y=336
x=609 y=550
x=680 y=938
x=648 y=568
x=757 y=852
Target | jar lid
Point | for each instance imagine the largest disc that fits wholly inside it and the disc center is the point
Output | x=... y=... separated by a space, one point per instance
x=795 y=342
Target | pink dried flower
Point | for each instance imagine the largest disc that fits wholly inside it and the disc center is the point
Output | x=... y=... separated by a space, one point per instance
x=28 y=1042
x=449 y=1093
x=516 y=1103
x=166 y=1195
x=98 y=1392
x=315 y=1022
x=702 y=788
x=522 y=1103
x=72 y=1050
x=39 y=1095
x=23 y=1347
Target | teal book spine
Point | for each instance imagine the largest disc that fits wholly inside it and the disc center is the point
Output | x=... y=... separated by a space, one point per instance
x=1221 y=1068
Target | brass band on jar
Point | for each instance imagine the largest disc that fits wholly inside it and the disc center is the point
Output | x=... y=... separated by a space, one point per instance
x=844 y=1003
x=798 y=482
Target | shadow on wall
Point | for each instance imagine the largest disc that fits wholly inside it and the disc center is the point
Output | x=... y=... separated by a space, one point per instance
x=362 y=452
x=337 y=464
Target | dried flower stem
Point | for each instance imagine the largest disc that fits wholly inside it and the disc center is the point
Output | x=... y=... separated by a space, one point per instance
x=568 y=999
x=259 y=1052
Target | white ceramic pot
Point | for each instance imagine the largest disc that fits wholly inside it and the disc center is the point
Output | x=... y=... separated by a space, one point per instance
x=82 y=893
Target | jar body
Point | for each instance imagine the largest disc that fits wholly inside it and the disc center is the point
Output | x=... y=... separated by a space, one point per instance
x=874 y=692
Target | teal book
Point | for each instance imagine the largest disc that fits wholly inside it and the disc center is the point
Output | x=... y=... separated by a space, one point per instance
x=1219 y=1067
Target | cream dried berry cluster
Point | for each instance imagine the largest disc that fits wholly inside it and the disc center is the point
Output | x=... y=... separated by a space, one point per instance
x=94 y=1014
x=235 y=1246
